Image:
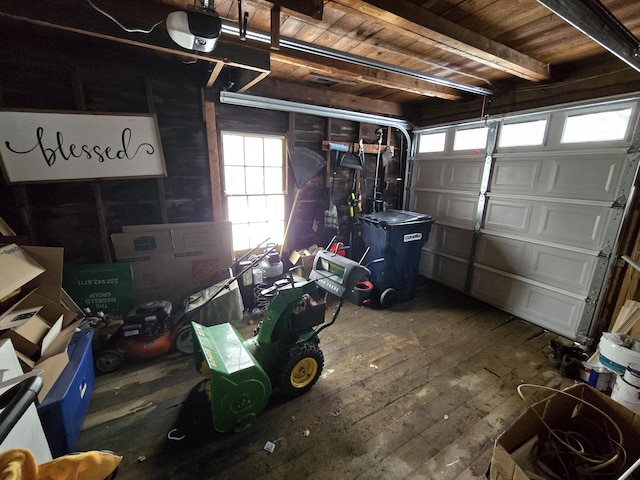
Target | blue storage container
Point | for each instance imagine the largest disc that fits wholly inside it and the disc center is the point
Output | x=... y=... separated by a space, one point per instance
x=395 y=237
x=64 y=409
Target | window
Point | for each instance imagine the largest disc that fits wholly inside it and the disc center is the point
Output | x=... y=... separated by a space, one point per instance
x=597 y=127
x=470 y=138
x=523 y=134
x=432 y=142
x=254 y=188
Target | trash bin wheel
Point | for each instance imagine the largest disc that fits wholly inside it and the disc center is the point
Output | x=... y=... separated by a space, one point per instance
x=301 y=369
x=388 y=298
x=184 y=340
x=108 y=361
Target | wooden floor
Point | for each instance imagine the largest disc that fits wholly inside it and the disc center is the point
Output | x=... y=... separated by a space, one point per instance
x=419 y=391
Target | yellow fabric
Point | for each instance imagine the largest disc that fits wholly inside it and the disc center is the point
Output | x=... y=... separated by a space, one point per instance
x=19 y=464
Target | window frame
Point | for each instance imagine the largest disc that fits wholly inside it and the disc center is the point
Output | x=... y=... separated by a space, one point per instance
x=226 y=195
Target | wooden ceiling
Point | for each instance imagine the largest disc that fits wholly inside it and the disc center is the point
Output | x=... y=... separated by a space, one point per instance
x=380 y=56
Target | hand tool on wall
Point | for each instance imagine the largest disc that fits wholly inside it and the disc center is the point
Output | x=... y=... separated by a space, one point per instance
x=305 y=164
x=377 y=196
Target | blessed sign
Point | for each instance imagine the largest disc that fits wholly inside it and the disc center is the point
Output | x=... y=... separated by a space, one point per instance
x=48 y=146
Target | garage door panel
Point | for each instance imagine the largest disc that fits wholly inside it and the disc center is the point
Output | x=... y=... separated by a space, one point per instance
x=492 y=288
x=559 y=268
x=573 y=225
x=430 y=174
x=426 y=202
x=501 y=253
x=453 y=241
x=550 y=309
x=547 y=308
x=586 y=177
x=508 y=215
x=516 y=176
x=466 y=174
x=448 y=208
x=460 y=209
x=445 y=270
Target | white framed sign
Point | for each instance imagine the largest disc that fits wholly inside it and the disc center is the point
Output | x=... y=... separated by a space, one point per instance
x=38 y=146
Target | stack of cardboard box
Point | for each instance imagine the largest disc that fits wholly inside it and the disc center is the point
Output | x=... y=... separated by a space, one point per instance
x=35 y=313
x=173 y=261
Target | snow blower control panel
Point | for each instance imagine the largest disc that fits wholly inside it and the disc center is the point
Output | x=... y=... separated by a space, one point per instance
x=336 y=274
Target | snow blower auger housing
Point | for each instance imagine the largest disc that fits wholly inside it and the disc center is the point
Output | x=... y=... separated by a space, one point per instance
x=284 y=352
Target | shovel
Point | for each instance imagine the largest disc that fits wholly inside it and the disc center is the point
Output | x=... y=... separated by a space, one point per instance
x=351 y=160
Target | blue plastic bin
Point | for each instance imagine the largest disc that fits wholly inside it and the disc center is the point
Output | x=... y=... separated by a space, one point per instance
x=64 y=409
x=396 y=238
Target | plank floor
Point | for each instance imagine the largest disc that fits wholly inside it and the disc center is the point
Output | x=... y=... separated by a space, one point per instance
x=418 y=391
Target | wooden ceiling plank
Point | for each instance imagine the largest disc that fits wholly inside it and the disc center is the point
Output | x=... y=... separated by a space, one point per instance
x=408 y=19
x=313 y=9
x=348 y=71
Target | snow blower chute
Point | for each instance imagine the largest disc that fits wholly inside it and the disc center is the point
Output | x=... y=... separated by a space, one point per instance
x=284 y=352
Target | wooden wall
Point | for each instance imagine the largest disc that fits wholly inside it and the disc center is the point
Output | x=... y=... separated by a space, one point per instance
x=48 y=72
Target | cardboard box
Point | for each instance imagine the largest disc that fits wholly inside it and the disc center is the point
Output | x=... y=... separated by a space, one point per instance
x=51 y=353
x=106 y=287
x=304 y=258
x=17 y=270
x=33 y=337
x=511 y=458
x=173 y=261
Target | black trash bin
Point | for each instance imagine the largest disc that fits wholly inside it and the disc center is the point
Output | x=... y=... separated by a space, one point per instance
x=395 y=239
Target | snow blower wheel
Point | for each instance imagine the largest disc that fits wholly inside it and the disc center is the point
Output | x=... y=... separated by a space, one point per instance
x=302 y=369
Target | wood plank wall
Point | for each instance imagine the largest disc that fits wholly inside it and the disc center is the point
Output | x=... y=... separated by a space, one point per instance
x=50 y=73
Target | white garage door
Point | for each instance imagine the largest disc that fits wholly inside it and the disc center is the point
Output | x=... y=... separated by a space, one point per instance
x=528 y=208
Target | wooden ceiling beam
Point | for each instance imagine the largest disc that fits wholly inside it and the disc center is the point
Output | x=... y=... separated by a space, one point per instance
x=410 y=20
x=320 y=96
x=81 y=19
x=358 y=73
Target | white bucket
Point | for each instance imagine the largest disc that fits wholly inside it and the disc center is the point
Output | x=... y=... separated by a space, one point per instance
x=632 y=374
x=626 y=394
x=615 y=356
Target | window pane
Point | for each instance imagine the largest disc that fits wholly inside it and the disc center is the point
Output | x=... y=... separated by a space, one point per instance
x=241 y=238
x=253 y=151
x=238 y=209
x=596 y=127
x=470 y=138
x=275 y=205
x=275 y=231
x=255 y=180
x=273 y=180
x=234 y=180
x=432 y=142
x=258 y=207
x=233 y=147
x=273 y=152
x=522 y=134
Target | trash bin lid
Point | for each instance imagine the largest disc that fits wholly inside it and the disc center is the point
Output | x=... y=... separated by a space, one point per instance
x=396 y=217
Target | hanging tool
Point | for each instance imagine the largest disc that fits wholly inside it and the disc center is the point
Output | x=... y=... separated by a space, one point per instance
x=377 y=196
x=305 y=164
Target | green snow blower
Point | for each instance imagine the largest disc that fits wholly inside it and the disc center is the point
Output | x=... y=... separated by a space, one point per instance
x=284 y=353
